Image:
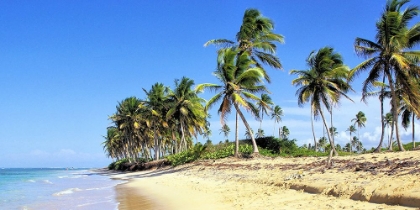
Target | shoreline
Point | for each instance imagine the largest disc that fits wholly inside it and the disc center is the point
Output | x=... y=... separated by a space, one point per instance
x=368 y=181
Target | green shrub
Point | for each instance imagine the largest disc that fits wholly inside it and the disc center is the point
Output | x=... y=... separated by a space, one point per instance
x=117 y=165
x=226 y=150
x=111 y=166
x=277 y=146
x=409 y=146
x=219 y=151
x=187 y=156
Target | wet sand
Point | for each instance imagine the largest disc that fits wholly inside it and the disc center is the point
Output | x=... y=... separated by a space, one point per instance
x=369 y=181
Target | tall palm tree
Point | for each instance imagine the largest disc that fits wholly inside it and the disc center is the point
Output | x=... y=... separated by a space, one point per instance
x=240 y=79
x=207 y=133
x=357 y=144
x=276 y=114
x=112 y=145
x=256 y=37
x=249 y=134
x=360 y=120
x=157 y=105
x=260 y=133
x=351 y=130
x=407 y=110
x=389 y=55
x=127 y=120
x=186 y=108
x=322 y=84
x=333 y=132
x=284 y=132
x=264 y=105
x=389 y=122
x=322 y=143
x=225 y=130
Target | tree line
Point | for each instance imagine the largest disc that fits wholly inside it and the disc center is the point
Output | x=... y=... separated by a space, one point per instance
x=167 y=120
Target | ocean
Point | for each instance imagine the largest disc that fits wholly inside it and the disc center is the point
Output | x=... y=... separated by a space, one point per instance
x=56 y=188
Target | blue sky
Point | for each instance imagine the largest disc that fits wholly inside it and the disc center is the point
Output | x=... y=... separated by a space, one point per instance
x=65 y=65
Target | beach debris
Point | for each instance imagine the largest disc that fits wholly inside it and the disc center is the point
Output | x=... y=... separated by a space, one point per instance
x=298 y=175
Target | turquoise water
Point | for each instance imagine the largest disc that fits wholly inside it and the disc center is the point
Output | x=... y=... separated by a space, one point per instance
x=57 y=188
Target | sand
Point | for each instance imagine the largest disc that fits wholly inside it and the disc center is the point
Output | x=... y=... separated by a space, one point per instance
x=368 y=181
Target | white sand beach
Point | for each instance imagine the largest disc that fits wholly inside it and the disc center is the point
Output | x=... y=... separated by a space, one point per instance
x=368 y=181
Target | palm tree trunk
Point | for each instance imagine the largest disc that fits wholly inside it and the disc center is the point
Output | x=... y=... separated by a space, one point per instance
x=412 y=131
x=329 y=135
x=394 y=111
x=236 y=136
x=332 y=136
x=378 y=149
x=182 y=133
x=350 y=142
x=390 y=138
x=274 y=129
x=254 y=143
x=156 y=143
x=313 y=130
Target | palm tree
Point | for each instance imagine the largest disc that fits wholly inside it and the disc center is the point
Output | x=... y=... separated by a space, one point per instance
x=333 y=132
x=240 y=78
x=284 y=132
x=207 y=133
x=351 y=130
x=157 y=104
x=381 y=94
x=347 y=147
x=249 y=134
x=255 y=37
x=264 y=105
x=260 y=133
x=187 y=111
x=276 y=114
x=389 y=55
x=360 y=120
x=389 y=122
x=359 y=146
x=225 y=130
x=322 y=143
x=406 y=110
x=354 y=142
x=322 y=83
x=338 y=147
x=127 y=121
x=112 y=145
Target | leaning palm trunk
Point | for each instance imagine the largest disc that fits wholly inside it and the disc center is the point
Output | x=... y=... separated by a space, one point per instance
x=313 y=131
x=332 y=136
x=394 y=111
x=236 y=137
x=254 y=143
x=412 y=131
x=182 y=136
x=329 y=138
x=390 y=138
x=378 y=149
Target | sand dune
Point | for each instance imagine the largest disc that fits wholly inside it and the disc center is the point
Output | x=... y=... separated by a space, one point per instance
x=369 y=181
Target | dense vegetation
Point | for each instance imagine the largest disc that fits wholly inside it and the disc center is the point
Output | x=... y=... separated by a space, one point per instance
x=166 y=121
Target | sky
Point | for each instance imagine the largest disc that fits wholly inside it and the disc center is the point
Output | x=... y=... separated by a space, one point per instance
x=65 y=65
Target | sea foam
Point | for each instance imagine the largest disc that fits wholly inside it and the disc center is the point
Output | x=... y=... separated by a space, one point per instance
x=67 y=191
